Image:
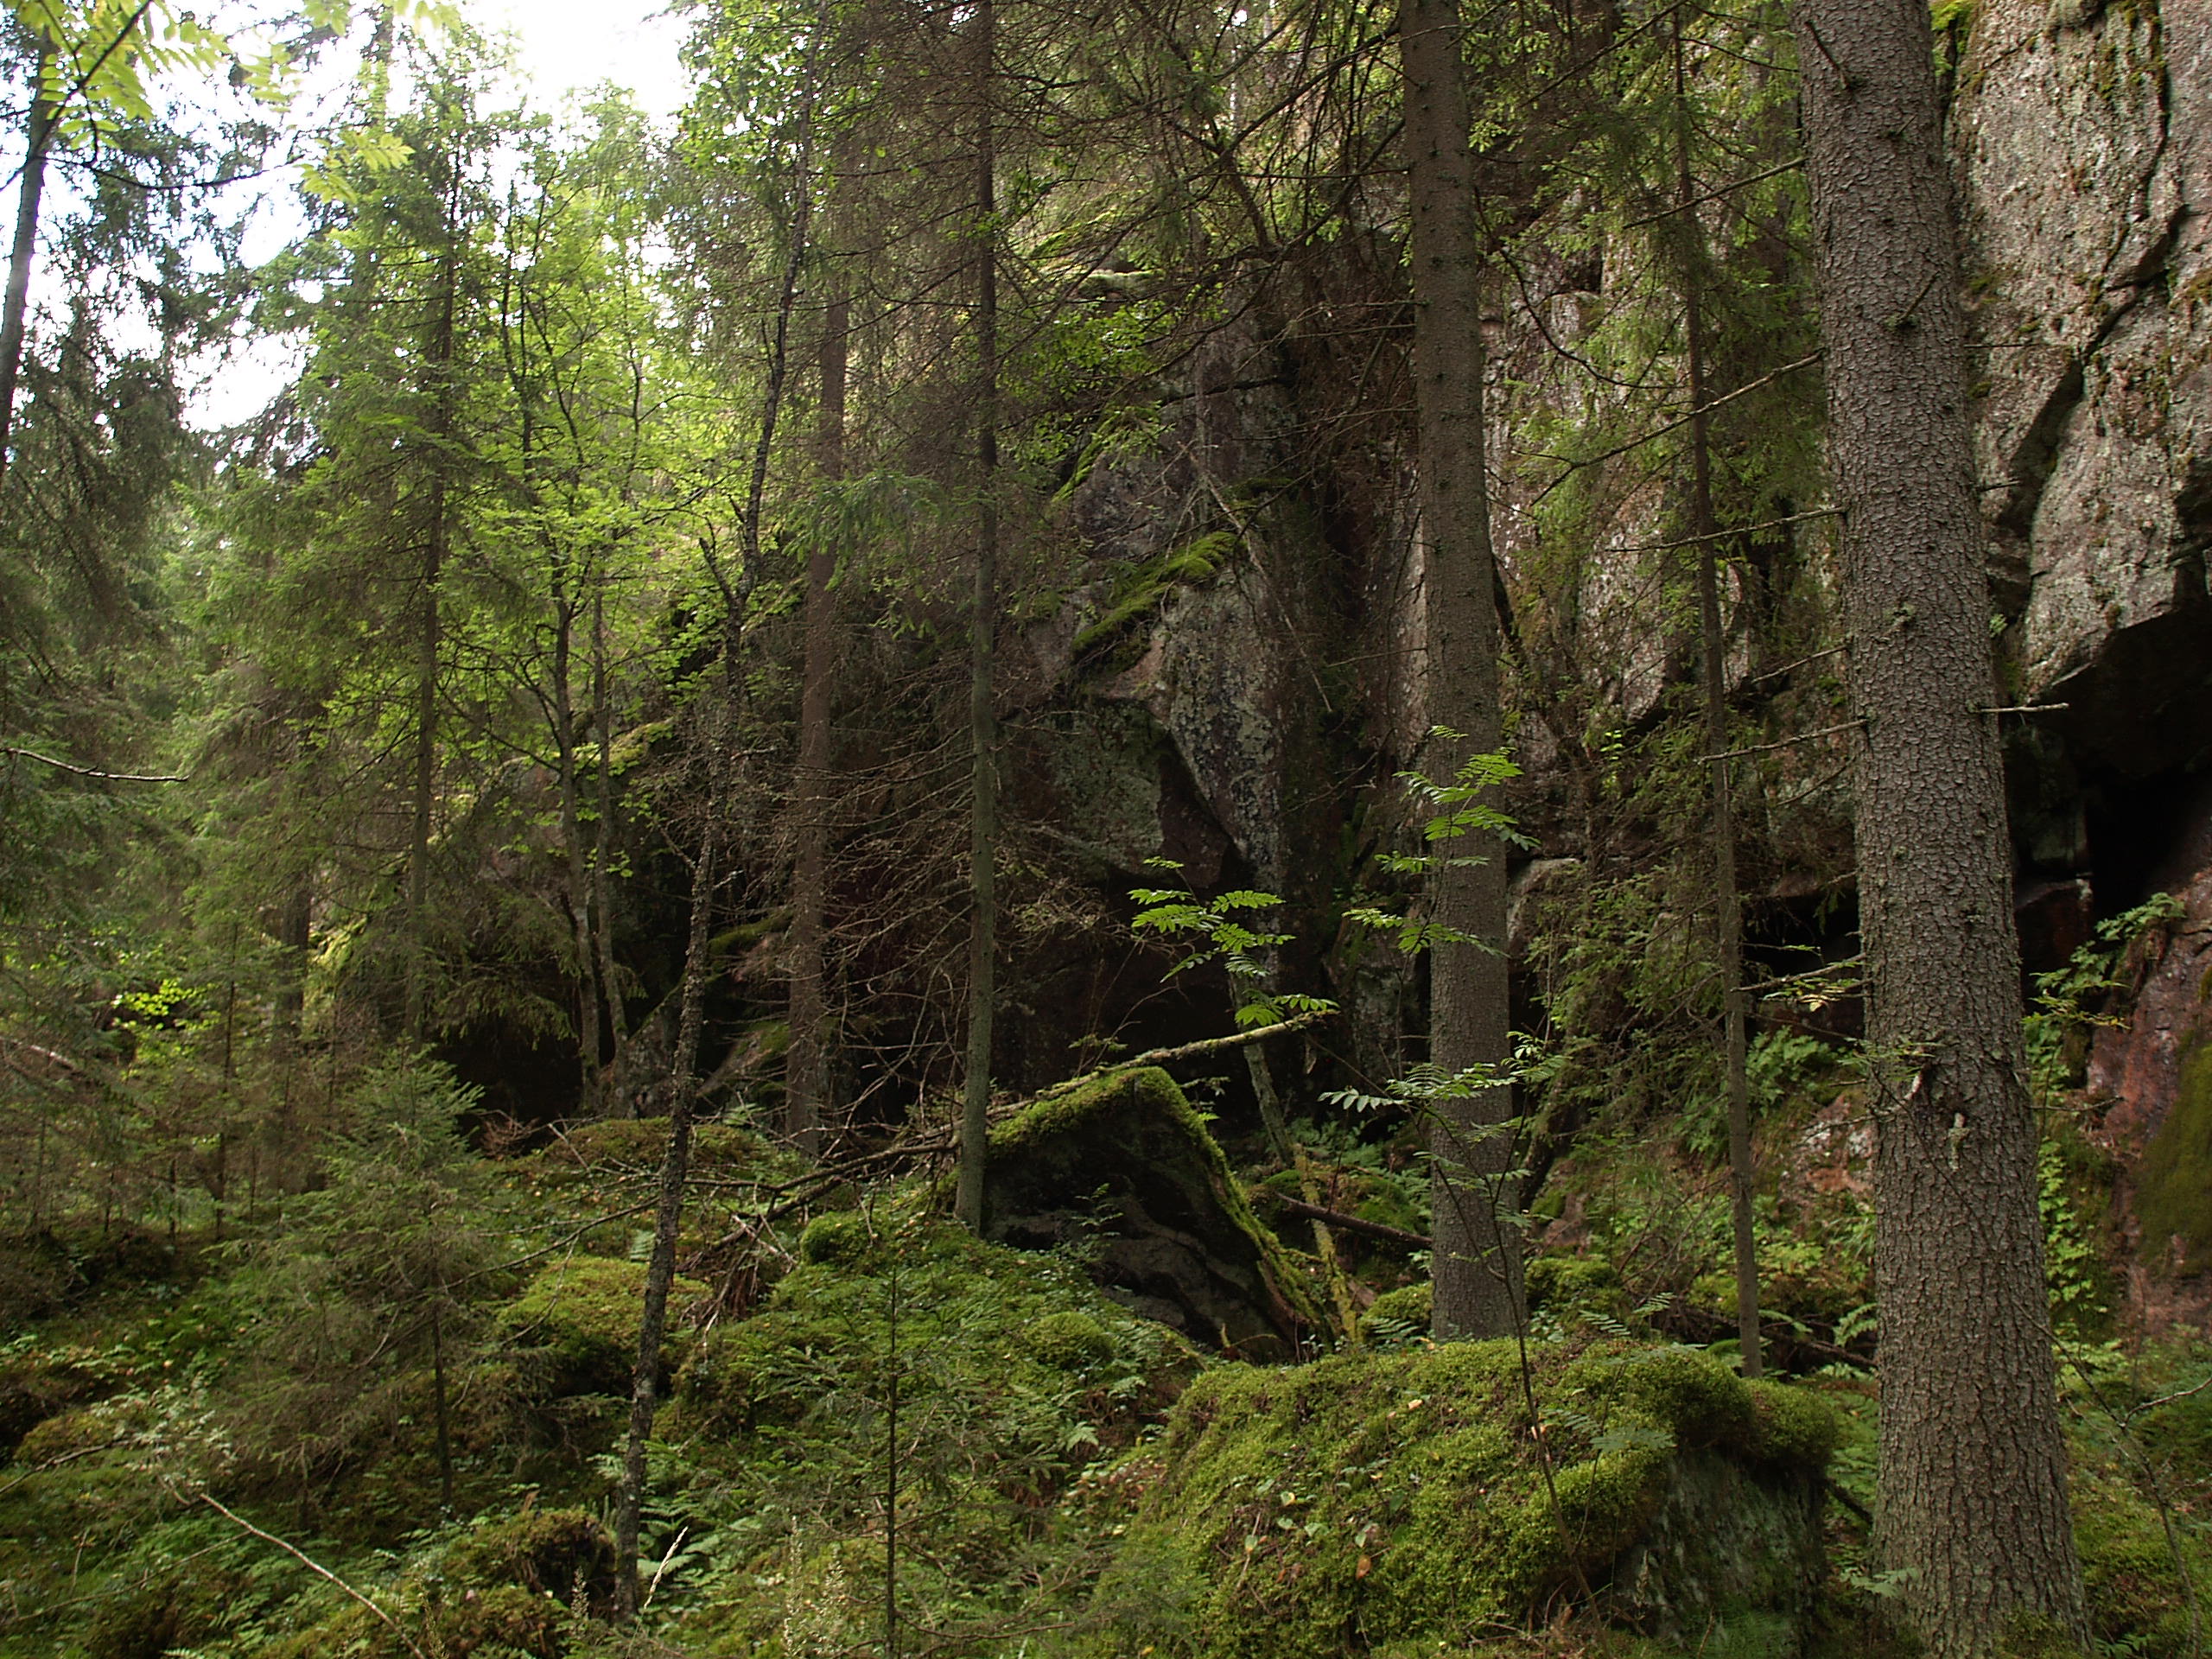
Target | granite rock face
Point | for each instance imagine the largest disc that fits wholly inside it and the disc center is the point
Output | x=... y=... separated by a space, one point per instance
x=2084 y=136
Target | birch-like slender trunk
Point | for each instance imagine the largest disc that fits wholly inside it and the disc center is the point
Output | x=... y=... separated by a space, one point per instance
x=602 y=897
x=1727 y=898
x=668 y=1216
x=807 y=1071
x=436 y=533
x=982 y=625
x=38 y=138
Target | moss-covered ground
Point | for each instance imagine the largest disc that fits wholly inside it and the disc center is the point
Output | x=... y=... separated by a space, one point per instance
x=866 y=1399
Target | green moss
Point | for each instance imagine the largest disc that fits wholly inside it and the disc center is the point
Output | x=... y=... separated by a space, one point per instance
x=1028 y=1325
x=841 y=1238
x=1136 y=1124
x=1397 y=1314
x=1070 y=1341
x=2136 y=1600
x=504 y=1587
x=1139 y=590
x=1699 y=1402
x=2175 y=1172
x=546 y=1550
x=1793 y=1427
x=1378 y=1498
x=1564 y=1285
x=579 y=1320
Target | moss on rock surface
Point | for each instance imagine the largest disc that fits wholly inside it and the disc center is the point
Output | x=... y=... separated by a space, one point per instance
x=2175 y=1173
x=578 y=1319
x=1123 y=1162
x=1371 y=1500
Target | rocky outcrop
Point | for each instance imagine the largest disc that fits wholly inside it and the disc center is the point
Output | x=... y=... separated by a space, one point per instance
x=2085 y=137
x=1123 y=1170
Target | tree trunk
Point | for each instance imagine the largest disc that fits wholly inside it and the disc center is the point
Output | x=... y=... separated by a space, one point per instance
x=982 y=621
x=593 y=1074
x=441 y=1415
x=676 y=1163
x=439 y=369
x=616 y=1098
x=1973 y=1505
x=1477 y=1250
x=297 y=935
x=807 y=1072
x=1728 y=902
x=38 y=134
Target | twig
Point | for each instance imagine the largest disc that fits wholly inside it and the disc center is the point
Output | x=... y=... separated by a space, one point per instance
x=1821 y=972
x=1731 y=533
x=1661 y=432
x=67 y=1457
x=2027 y=709
x=1352 y=1224
x=1713 y=195
x=1802 y=737
x=1850 y=1503
x=1791 y=668
x=314 y=1566
x=92 y=772
x=1184 y=1051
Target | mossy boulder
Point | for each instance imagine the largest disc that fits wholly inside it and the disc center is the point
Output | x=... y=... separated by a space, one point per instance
x=1377 y=1499
x=1122 y=1166
x=977 y=1323
x=503 y=1589
x=576 y=1324
x=1398 y=1315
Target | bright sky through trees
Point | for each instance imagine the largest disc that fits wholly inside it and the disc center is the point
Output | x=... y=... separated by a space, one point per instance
x=576 y=44
x=564 y=48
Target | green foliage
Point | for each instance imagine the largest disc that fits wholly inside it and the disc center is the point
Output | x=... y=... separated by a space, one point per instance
x=2072 y=1001
x=1243 y=952
x=385 y=1273
x=1011 y=1374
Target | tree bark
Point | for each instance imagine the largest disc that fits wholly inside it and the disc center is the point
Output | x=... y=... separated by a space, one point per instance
x=572 y=838
x=609 y=1006
x=807 y=1071
x=38 y=135
x=1727 y=901
x=676 y=1164
x=982 y=733
x=1477 y=1263
x=1973 y=1505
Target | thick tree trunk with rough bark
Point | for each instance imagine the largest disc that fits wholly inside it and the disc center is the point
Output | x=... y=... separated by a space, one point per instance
x=983 y=726
x=1477 y=1246
x=1973 y=1505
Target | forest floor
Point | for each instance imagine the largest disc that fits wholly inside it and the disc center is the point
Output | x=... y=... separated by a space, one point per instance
x=388 y=1419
